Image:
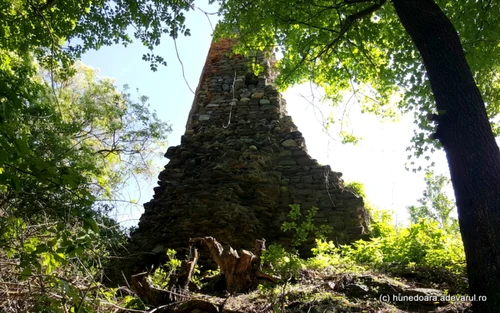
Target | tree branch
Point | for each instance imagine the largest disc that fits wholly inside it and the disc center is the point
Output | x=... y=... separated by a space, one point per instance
x=349 y=21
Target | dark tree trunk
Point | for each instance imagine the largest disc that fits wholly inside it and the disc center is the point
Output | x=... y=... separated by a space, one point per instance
x=465 y=133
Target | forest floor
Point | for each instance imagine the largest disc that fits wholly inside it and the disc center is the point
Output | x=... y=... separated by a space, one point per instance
x=332 y=291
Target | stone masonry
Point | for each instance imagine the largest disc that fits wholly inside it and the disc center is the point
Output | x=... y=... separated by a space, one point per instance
x=241 y=163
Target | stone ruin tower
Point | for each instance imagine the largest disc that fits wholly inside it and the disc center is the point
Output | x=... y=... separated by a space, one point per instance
x=240 y=164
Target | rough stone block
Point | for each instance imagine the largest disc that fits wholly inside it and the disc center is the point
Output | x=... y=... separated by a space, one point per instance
x=306 y=179
x=267 y=193
x=257 y=95
x=171 y=152
x=299 y=153
x=287 y=161
x=239 y=83
x=263 y=102
x=289 y=143
x=304 y=160
x=267 y=107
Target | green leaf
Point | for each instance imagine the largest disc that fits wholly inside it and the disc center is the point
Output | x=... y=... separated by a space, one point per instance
x=23 y=147
x=90 y=224
x=26 y=273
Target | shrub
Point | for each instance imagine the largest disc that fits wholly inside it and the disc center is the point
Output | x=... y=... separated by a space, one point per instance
x=423 y=243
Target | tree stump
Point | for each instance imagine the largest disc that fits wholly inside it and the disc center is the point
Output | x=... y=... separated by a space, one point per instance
x=242 y=271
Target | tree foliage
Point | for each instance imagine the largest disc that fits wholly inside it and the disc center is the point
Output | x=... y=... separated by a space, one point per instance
x=66 y=148
x=69 y=140
x=359 y=47
x=435 y=204
x=81 y=139
x=421 y=244
x=63 y=30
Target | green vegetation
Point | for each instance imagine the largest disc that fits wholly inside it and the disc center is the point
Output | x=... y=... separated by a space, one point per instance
x=423 y=249
x=69 y=140
x=435 y=59
x=161 y=276
x=60 y=31
x=422 y=244
x=435 y=204
x=361 y=46
x=432 y=239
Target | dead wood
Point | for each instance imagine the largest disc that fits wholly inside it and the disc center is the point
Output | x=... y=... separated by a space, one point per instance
x=152 y=295
x=182 y=280
x=242 y=271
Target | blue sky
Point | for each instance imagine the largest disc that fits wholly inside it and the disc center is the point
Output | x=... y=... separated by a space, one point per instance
x=377 y=161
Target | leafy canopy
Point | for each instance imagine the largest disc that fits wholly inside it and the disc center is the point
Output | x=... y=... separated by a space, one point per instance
x=76 y=140
x=361 y=47
x=435 y=204
x=63 y=30
x=66 y=147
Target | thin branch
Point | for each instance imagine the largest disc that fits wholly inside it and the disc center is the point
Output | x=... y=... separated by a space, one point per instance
x=207 y=15
x=48 y=179
x=231 y=104
x=182 y=66
x=362 y=49
x=174 y=37
x=349 y=21
x=345 y=26
x=323 y=121
x=53 y=43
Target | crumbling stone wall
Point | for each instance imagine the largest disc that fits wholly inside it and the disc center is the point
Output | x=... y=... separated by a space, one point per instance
x=240 y=164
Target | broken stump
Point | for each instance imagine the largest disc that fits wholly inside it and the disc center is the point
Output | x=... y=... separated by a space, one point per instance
x=242 y=271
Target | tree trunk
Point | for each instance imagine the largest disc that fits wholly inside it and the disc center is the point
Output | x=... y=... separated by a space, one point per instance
x=465 y=133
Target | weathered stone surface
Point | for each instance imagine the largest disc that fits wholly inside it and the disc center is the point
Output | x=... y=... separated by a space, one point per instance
x=267 y=193
x=258 y=95
x=289 y=143
x=235 y=183
x=171 y=151
x=267 y=107
x=239 y=83
x=287 y=161
x=264 y=102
